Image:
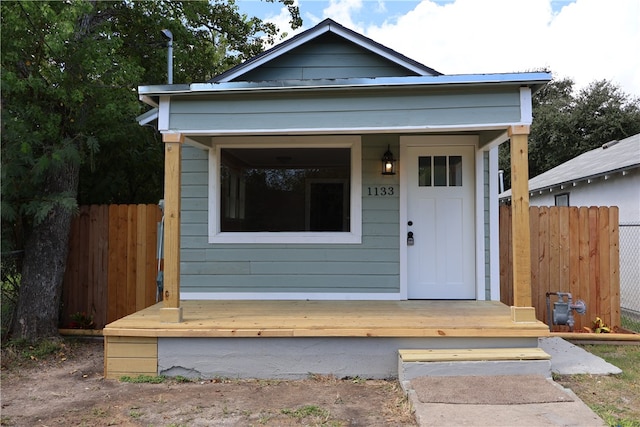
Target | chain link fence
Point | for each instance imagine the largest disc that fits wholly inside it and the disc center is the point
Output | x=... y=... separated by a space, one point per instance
x=630 y=275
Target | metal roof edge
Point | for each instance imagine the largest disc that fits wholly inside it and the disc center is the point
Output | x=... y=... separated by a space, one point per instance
x=507 y=193
x=586 y=177
x=529 y=79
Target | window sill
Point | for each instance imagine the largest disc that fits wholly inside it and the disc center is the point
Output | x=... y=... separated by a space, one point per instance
x=286 y=238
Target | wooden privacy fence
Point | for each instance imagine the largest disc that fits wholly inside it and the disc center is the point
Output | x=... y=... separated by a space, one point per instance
x=573 y=250
x=112 y=263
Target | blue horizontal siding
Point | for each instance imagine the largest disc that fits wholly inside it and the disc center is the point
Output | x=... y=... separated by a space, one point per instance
x=327 y=283
x=372 y=266
x=347 y=110
x=326 y=57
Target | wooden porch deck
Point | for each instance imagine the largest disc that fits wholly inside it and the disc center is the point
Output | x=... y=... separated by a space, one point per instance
x=141 y=344
x=330 y=319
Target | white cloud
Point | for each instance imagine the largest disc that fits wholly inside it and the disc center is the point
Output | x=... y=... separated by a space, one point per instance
x=380 y=7
x=341 y=11
x=585 y=40
x=595 y=42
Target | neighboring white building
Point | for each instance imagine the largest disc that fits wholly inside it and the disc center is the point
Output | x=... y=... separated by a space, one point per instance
x=606 y=176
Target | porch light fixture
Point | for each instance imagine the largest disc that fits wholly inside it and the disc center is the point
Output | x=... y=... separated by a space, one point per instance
x=388 y=162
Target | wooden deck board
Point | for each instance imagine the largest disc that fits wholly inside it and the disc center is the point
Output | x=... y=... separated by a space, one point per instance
x=330 y=319
x=472 y=354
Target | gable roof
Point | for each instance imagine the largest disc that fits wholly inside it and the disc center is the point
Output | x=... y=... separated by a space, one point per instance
x=328 y=26
x=612 y=157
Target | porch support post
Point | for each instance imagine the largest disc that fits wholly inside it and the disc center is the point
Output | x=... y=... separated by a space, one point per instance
x=171 y=312
x=522 y=310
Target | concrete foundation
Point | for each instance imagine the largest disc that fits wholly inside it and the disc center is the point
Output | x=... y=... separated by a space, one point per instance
x=296 y=358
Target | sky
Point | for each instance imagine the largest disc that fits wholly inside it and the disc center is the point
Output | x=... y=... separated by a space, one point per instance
x=585 y=40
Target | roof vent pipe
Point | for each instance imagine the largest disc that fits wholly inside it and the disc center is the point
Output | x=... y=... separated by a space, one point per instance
x=169 y=37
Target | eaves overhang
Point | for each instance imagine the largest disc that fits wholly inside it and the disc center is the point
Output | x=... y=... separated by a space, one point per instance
x=150 y=94
x=571 y=183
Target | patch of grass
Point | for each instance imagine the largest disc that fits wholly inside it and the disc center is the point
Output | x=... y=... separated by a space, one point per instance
x=322 y=378
x=17 y=352
x=307 y=412
x=135 y=413
x=42 y=349
x=181 y=380
x=264 y=417
x=625 y=357
x=630 y=324
x=266 y=382
x=99 y=412
x=143 y=379
x=615 y=398
x=400 y=408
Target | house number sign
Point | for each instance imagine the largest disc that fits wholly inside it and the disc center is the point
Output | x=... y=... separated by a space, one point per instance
x=381 y=191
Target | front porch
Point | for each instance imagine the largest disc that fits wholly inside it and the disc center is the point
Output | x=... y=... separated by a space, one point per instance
x=295 y=338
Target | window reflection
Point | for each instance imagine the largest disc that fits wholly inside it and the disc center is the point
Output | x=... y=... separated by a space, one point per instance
x=455 y=171
x=285 y=189
x=424 y=171
x=440 y=171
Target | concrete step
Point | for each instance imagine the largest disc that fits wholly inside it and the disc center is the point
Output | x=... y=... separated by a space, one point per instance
x=483 y=361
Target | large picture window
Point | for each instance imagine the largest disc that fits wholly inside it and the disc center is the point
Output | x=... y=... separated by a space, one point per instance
x=288 y=193
x=284 y=189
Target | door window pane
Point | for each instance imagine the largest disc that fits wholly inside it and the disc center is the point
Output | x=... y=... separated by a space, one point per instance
x=424 y=171
x=440 y=171
x=455 y=171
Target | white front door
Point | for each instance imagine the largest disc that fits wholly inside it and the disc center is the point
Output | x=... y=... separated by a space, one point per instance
x=440 y=220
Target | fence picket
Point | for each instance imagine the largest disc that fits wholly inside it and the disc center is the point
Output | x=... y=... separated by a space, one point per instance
x=102 y=261
x=153 y=217
x=584 y=259
x=614 y=262
x=506 y=276
x=605 y=276
x=544 y=260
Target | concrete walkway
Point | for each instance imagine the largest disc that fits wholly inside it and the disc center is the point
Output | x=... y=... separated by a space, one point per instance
x=566 y=358
x=569 y=359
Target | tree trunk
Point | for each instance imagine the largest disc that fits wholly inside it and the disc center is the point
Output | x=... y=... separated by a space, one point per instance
x=44 y=264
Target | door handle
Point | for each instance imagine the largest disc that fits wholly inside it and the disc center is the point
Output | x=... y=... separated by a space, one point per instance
x=410 y=240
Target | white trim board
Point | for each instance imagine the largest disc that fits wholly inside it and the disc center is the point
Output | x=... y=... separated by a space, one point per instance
x=221 y=133
x=354 y=236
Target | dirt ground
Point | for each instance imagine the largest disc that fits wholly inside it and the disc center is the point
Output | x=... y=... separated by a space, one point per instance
x=68 y=389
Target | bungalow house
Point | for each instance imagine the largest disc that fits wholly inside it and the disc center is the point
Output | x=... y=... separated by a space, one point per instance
x=330 y=202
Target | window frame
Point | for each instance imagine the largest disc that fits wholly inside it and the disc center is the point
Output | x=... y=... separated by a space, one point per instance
x=560 y=197
x=354 y=236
